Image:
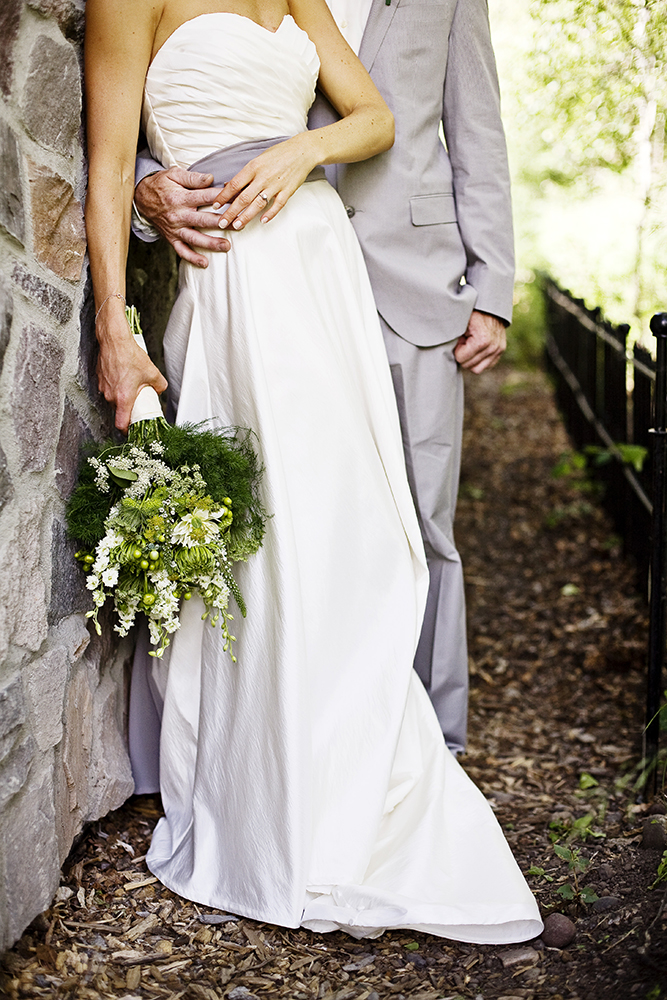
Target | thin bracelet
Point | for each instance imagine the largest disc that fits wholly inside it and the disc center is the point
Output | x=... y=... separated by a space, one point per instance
x=114 y=295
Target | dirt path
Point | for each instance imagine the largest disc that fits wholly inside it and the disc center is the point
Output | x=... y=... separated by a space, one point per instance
x=557 y=649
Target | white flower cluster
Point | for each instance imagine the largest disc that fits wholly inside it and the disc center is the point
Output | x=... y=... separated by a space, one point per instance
x=150 y=572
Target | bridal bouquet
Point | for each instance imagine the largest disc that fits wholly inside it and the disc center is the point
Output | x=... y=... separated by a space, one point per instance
x=166 y=513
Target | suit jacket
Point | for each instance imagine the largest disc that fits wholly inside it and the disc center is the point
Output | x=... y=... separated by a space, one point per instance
x=429 y=216
x=434 y=223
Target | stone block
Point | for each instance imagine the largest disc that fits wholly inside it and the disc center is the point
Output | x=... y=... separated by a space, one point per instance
x=56 y=303
x=68 y=16
x=45 y=680
x=12 y=706
x=10 y=18
x=73 y=635
x=23 y=617
x=73 y=433
x=68 y=581
x=78 y=741
x=6 y=487
x=14 y=771
x=6 y=316
x=655 y=833
x=11 y=195
x=36 y=397
x=31 y=863
x=60 y=235
x=52 y=95
x=111 y=781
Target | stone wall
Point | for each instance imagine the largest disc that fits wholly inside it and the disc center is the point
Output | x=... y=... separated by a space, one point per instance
x=63 y=760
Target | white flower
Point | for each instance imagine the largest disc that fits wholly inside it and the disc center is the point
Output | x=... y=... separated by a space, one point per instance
x=110 y=577
x=92 y=582
x=197 y=528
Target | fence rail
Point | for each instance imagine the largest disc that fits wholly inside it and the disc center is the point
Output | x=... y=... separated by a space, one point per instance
x=604 y=392
x=614 y=397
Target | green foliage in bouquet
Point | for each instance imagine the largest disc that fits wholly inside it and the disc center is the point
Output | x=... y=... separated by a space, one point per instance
x=168 y=512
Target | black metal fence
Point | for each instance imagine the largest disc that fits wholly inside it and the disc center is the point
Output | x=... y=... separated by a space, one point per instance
x=614 y=403
x=604 y=394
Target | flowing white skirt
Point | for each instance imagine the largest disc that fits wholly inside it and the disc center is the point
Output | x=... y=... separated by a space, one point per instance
x=309 y=783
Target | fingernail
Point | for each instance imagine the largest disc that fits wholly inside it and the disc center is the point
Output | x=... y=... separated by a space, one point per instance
x=264 y=218
x=216 y=204
x=237 y=224
x=223 y=223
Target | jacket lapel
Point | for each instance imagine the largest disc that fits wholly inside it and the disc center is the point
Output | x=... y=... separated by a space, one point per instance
x=379 y=19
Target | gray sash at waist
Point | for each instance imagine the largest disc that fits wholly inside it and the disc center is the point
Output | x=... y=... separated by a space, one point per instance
x=226 y=163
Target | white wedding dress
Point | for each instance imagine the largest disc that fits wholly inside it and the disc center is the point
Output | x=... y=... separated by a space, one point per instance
x=308 y=783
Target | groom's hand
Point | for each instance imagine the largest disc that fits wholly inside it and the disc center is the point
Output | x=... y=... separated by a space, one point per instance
x=482 y=344
x=169 y=200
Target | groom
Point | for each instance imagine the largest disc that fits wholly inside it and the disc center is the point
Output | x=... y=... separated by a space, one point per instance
x=435 y=227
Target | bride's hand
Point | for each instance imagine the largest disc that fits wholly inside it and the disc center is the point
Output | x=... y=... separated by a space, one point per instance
x=266 y=183
x=123 y=369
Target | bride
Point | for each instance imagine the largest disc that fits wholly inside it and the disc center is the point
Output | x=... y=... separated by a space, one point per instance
x=307 y=784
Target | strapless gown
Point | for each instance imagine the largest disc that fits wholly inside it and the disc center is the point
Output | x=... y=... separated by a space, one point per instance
x=308 y=783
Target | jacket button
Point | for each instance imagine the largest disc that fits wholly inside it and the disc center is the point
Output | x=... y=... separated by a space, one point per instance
x=350 y=211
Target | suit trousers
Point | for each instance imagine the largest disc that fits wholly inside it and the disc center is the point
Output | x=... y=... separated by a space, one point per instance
x=429 y=391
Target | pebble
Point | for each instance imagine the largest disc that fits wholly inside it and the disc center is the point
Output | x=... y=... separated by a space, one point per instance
x=515 y=956
x=655 y=833
x=606 y=903
x=558 y=931
x=606 y=871
x=216 y=918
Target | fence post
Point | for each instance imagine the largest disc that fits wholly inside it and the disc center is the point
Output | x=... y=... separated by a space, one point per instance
x=658 y=600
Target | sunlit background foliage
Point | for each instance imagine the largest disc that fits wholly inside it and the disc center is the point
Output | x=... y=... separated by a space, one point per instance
x=584 y=86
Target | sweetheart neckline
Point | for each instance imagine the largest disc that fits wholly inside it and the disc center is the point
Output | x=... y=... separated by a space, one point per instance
x=220 y=13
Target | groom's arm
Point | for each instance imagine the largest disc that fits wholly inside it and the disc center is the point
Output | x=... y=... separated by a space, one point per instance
x=166 y=203
x=477 y=150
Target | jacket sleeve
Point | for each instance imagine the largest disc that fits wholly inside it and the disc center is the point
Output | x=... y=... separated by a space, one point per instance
x=476 y=145
x=144 y=165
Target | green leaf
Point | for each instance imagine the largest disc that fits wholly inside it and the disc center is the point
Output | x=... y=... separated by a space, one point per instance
x=588 y=895
x=634 y=455
x=587 y=780
x=566 y=892
x=412 y=946
x=122 y=477
x=563 y=852
x=536 y=870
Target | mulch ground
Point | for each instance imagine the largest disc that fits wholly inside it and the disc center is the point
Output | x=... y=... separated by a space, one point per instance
x=557 y=644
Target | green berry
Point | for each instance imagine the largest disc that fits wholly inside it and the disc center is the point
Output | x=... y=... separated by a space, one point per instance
x=153 y=555
x=144 y=563
x=187 y=594
x=137 y=553
x=148 y=599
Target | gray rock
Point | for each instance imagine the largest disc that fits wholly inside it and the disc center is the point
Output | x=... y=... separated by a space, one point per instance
x=242 y=993
x=31 y=866
x=68 y=15
x=55 y=302
x=52 y=95
x=73 y=432
x=606 y=903
x=655 y=833
x=6 y=315
x=68 y=581
x=11 y=196
x=10 y=17
x=6 y=487
x=45 y=685
x=12 y=706
x=36 y=396
x=22 y=591
x=559 y=931
x=14 y=771
x=518 y=956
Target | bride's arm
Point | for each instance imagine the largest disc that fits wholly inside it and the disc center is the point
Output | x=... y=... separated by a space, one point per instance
x=366 y=126
x=118 y=45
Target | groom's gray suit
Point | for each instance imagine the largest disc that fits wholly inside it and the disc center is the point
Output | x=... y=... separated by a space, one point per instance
x=435 y=227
